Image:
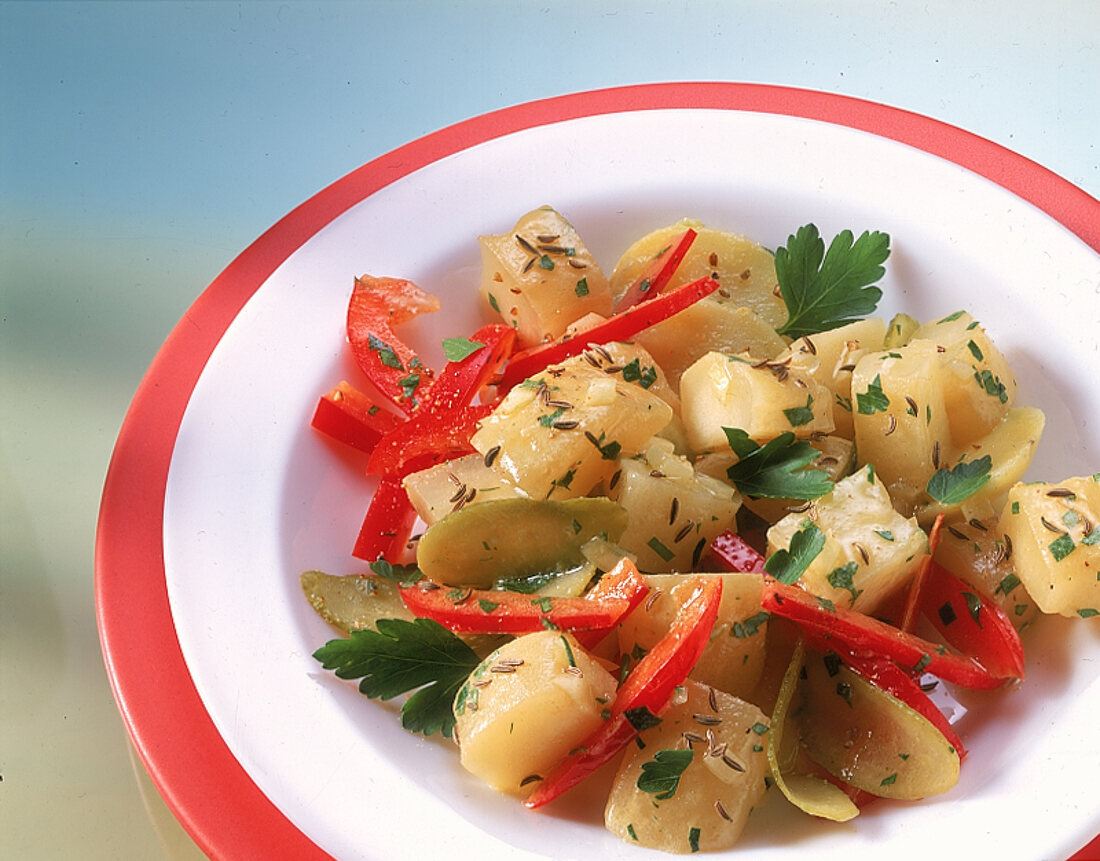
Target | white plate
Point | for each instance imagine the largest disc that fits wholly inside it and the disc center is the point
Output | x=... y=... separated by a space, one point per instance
x=290 y=761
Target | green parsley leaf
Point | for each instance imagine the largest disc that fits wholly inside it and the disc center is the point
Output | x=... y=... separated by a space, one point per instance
x=951 y=486
x=798 y=416
x=386 y=354
x=661 y=775
x=402 y=657
x=641 y=718
x=657 y=547
x=827 y=289
x=457 y=349
x=776 y=469
x=633 y=372
x=406 y=575
x=787 y=566
x=874 y=400
x=1061 y=547
x=844 y=578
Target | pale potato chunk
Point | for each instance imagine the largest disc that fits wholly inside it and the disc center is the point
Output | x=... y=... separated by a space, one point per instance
x=438 y=490
x=632 y=363
x=900 y=419
x=734 y=658
x=1055 y=535
x=870 y=549
x=744 y=268
x=978 y=385
x=540 y=277
x=561 y=433
x=714 y=323
x=763 y=399
x=526 y=706
x=830 y=357
x=674 y=511
x=725 y=779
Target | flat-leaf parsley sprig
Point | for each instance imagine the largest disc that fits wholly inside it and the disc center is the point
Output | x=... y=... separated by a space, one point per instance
x=827 y=289
x=403 y=656
x=777 y=469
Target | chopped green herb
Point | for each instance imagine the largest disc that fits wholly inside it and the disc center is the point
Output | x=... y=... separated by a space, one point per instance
x=760 y=728
x=693 y=839
x=827 y=289
x=787 y=565
x=975 y=350
x=1092 y=538
x=777 y=469
x=874 y=400
x=493 y=303
x=974 y=605
x=582 y=287
x=887 y=781
x=661 y=775
x=657 y=547
x=947 y=613
x=487 y=606
x=641 y=718
x=843 y=578
x=924 y=661
x=403 y=656
x=1061 y=547
x=546 y=263
x=457 y=349
x=950 y=318
x=632 y=833
x=633 y=372
x=952 y=486
x=386 y=354
x=749 y=627
x=1088 y=612
x=992 y=385
x=1007 y=584
x=798 y=416
x=885 y=534
x=403 y=574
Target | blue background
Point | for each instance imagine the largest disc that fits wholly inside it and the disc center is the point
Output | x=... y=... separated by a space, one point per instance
x=143 y=145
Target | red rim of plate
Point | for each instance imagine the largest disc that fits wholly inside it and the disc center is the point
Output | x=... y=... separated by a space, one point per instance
x=200 y=779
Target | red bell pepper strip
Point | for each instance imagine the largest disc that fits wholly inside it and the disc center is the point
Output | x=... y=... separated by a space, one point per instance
x=645 y=693
x=347 y=415
x=913 y=600
x=621 y=327
x=622 y=581
x=376 y=306
x=492 y=611
x=429 y=437
x=658 y=273
x=388 y=523
x=459 y=382
x=888 y=676
x=972 y=623
x=730 y=552
x=863 y=633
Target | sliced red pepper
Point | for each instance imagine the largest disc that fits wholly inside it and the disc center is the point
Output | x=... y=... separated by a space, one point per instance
x=492 y=611
x=863 y=633
x=913 y=599
x=388 y=524
x=658 y=273
x=621 y=327
x=459 y=382
x=349 y=416
x=429 y=437
x=972 y=623
x=645 y=693
x=888 y=676
x=376 y=306
x=622 y=581
x=730 y=552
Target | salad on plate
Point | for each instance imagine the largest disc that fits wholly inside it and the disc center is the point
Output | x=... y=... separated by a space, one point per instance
x=704 y=528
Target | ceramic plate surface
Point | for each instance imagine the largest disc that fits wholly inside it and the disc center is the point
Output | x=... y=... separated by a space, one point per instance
x=219 y=494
